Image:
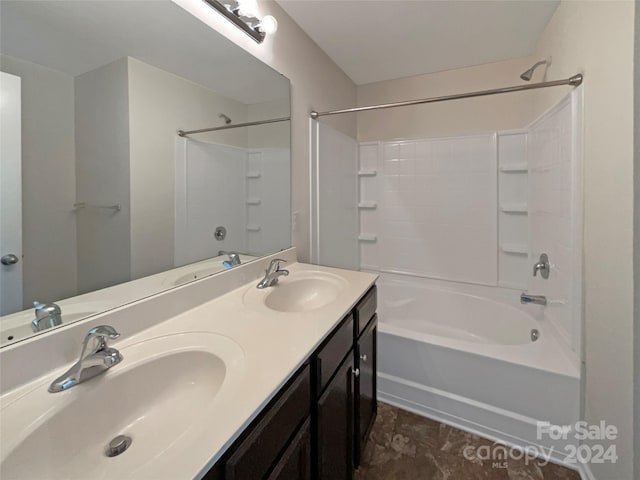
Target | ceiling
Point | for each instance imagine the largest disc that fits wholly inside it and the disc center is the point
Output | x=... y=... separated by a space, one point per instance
x=75 y=37
x=381 y=40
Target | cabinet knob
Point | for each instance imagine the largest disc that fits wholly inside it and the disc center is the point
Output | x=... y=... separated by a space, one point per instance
x=9 y=259
x=356 y=372
x=363 y=357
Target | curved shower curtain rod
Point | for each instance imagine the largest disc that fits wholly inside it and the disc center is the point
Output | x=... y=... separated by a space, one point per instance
x=573 y=81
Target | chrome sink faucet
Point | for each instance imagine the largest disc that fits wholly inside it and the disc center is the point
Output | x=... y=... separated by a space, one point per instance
x=93 y=360
x=234 y=258
x=525 y=298
x=48 y=315
x=272 y=273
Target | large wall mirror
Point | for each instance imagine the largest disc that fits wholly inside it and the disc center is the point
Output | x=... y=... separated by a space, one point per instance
x=101 y=201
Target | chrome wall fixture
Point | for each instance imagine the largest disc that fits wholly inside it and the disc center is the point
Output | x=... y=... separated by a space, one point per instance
x=574 y=81
x=244 y=15
x=526 y=76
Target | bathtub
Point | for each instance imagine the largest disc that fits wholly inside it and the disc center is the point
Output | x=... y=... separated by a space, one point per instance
x=471 y=361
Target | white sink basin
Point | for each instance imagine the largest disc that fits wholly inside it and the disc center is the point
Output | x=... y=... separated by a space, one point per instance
x=299 y=292
x=159 y=395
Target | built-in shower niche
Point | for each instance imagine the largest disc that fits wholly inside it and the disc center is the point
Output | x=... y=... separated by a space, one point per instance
x=513 y=210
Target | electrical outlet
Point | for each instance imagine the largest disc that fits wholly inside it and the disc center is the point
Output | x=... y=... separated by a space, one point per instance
x=294 y=221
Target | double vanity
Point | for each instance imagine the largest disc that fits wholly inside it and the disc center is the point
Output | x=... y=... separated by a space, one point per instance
x=216 y=379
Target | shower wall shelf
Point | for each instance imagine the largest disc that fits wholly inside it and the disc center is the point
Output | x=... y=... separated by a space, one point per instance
x=514 y=248
x=514 y=208
x=367 y=173
x=254 y=174
x=253 y=201
x=368 y=205
x=367 y=237
x=520 y=167
x=254 y=228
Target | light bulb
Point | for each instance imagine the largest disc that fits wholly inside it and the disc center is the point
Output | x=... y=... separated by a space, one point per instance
x=248 y=8
x=268 y=25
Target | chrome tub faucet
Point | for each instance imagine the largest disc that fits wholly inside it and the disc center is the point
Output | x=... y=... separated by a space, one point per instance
x=525 y=298
x=542 y=266
x=48 y=315
x=93 y=360
x=234 y=259
x=272 y=273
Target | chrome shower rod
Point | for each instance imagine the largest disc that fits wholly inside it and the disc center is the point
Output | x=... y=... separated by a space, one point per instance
x=572 y=81
x=184 y=133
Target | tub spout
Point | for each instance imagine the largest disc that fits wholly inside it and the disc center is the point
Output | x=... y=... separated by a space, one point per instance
x=535 y=299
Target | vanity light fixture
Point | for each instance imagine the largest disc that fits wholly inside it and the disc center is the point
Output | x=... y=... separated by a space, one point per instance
x=244 y=14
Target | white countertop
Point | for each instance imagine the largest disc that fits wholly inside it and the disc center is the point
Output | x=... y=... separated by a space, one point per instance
x=274 y=345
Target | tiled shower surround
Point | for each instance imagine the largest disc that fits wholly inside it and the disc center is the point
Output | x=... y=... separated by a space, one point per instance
x=433 y=196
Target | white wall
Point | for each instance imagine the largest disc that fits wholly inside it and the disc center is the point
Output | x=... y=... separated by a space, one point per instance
x=48 y=181
x=102 y=176
x=161 y=103
x=460 y=117
x=597 y=39
x=316 y=83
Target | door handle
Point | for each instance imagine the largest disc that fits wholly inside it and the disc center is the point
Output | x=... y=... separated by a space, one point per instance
x=9 y=259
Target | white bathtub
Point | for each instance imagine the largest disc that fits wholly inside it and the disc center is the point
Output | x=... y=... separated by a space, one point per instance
x=470 y=361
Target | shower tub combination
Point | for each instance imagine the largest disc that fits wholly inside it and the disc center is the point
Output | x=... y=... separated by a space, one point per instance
x=489 y=366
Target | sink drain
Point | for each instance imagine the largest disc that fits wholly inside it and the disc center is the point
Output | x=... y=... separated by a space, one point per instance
x=118 y=445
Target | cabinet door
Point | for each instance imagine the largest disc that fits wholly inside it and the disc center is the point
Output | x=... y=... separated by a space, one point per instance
x=295 y=463
x=366 y=396
x=253 y=457
x=335 y=426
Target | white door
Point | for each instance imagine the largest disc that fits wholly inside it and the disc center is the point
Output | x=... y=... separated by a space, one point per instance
x=10 y=195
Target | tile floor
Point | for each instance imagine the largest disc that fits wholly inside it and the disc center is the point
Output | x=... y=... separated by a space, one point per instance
x=405 y=446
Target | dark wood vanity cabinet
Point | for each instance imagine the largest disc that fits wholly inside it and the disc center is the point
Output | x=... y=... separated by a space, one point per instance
x=335 y=425
x=347 y=406
x=296 y=460
x=316 y=426
x=366 y=405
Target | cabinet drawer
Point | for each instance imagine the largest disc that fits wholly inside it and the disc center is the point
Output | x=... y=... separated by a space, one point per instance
x=331 y=354
x=253 y=458
x=365 y=310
